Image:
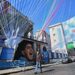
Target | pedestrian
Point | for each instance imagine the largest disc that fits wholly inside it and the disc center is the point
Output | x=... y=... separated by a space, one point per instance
x=38 y=67
x=38 y=64
x=45 y=55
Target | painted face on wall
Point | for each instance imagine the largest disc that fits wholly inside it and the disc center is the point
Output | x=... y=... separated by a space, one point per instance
x=28 y=52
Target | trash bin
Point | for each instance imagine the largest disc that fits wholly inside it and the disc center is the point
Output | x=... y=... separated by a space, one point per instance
x=7 y=53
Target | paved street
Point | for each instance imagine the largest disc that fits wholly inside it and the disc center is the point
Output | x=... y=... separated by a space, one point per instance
x=64 y=69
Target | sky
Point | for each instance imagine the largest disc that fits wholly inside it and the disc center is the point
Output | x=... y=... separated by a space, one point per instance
x=42 y=12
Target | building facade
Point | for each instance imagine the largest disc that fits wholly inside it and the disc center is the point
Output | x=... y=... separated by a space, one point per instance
x=44 y=37
x=14 y=26
x=69 y=30
x=58 y=45
x=13 y=22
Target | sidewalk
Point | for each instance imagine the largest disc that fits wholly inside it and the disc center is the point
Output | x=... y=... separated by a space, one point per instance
x=19 y=69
